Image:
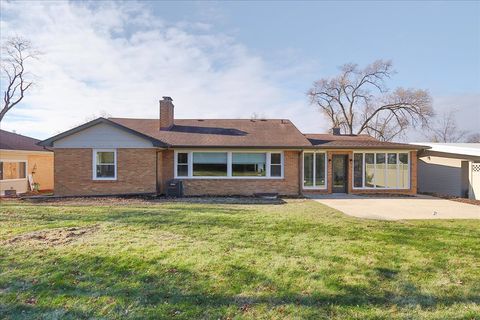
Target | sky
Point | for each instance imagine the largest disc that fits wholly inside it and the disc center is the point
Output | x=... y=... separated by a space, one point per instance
x=234 y=59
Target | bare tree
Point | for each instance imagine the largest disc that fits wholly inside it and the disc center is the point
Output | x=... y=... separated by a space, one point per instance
x=445 y=129
x=358 y=101
x=16 y=52
x=93 y=116
x=474 y=138
x=257 y=116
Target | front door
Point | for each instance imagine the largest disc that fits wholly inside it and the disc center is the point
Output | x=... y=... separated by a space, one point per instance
x=339 y=173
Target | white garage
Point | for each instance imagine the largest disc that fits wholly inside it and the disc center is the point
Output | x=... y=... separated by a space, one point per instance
x=450 y=169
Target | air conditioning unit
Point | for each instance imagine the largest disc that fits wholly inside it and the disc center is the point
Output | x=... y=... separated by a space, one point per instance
x=175 y=188
x=10 y=193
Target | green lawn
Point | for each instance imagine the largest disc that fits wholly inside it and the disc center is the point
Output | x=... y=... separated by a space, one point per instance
x=298 y=260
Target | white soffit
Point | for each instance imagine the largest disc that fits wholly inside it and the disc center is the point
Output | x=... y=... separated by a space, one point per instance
x=468 y=149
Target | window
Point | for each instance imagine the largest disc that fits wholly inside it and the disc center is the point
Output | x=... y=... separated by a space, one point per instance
x=105 y=165
x=357 y=170
x=391 y=170
x=249 y=164
x=308 y=170
x=208 y=164
x=403 y=172
x=320 y=170
x=229 y=164
x=10 y=170
x=182 y=164
x=276 y=164
x=314 y=170
x=369 y=170
x=381 y=170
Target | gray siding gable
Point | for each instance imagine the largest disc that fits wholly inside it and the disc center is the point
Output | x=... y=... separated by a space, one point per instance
x=102 y=135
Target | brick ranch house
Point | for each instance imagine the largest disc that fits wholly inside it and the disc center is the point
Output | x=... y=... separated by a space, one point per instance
x=224 y=157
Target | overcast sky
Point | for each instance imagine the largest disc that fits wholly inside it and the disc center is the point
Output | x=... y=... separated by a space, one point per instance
x=230 y=60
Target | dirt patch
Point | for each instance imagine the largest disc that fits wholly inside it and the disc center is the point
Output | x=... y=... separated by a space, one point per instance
x=386 y=195
x=52 y=237
x=463 y=200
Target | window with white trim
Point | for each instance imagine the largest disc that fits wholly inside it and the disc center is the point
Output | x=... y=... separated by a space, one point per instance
x=275 y=164
x=229 y=164
x=381 y=170
x=210 y=164
x=249 y=164
x=314 y=170
x=182 y=164
x=13 y=170
x=105 y=164
x=403 y=171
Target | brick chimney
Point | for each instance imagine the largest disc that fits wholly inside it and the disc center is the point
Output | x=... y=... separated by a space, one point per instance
x=166 y=113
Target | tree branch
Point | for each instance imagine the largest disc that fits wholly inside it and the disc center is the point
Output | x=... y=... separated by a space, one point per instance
x=16 y=51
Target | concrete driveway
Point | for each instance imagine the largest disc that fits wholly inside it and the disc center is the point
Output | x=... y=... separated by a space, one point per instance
x=399 y=208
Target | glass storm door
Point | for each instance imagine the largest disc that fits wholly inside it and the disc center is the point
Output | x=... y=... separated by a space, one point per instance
x=339 y=173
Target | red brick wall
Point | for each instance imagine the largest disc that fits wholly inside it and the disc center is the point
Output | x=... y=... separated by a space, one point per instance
x=413 y=176
x=165 y=169
x=135 y=172
x=289 y=185
x=141 y=171
x=166 y=114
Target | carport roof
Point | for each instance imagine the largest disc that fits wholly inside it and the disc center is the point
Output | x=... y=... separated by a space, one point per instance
x=361 y=141
x=466 y=149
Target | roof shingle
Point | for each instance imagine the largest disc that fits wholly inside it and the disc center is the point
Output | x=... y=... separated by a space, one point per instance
x=236 y=133
x=221 y=132
x=355 y=141
x=15 y=141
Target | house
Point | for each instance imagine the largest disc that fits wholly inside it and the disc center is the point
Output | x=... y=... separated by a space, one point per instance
x=23 y=163
x=224 y=157
x=451 y=169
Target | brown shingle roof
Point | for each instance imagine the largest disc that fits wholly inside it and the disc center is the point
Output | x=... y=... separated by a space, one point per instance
x=14 y=141
x=235 y=133
x=221 y=132
x=354 y=141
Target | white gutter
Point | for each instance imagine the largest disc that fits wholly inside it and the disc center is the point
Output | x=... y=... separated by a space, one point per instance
x=468 y=149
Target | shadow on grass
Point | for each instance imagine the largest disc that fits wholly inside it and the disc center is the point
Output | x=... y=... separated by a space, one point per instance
x=148 y=200
x=198 y=219
x=189 y=218
x=111 y=287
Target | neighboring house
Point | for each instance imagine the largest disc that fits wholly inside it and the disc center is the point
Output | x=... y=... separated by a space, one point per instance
x=224 y=157
x=450 y=169
x=20 y=159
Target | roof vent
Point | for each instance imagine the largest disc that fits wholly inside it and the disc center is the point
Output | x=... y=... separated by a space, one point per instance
x=283 y=121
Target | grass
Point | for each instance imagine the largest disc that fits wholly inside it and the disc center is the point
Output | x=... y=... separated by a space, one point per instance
x=298 y=260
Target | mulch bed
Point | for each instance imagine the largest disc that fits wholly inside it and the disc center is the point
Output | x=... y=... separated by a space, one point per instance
x=386 y=195
x=463 y=200
x=140 y=200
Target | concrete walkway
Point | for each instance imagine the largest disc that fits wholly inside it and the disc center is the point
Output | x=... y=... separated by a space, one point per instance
x=399 y=208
